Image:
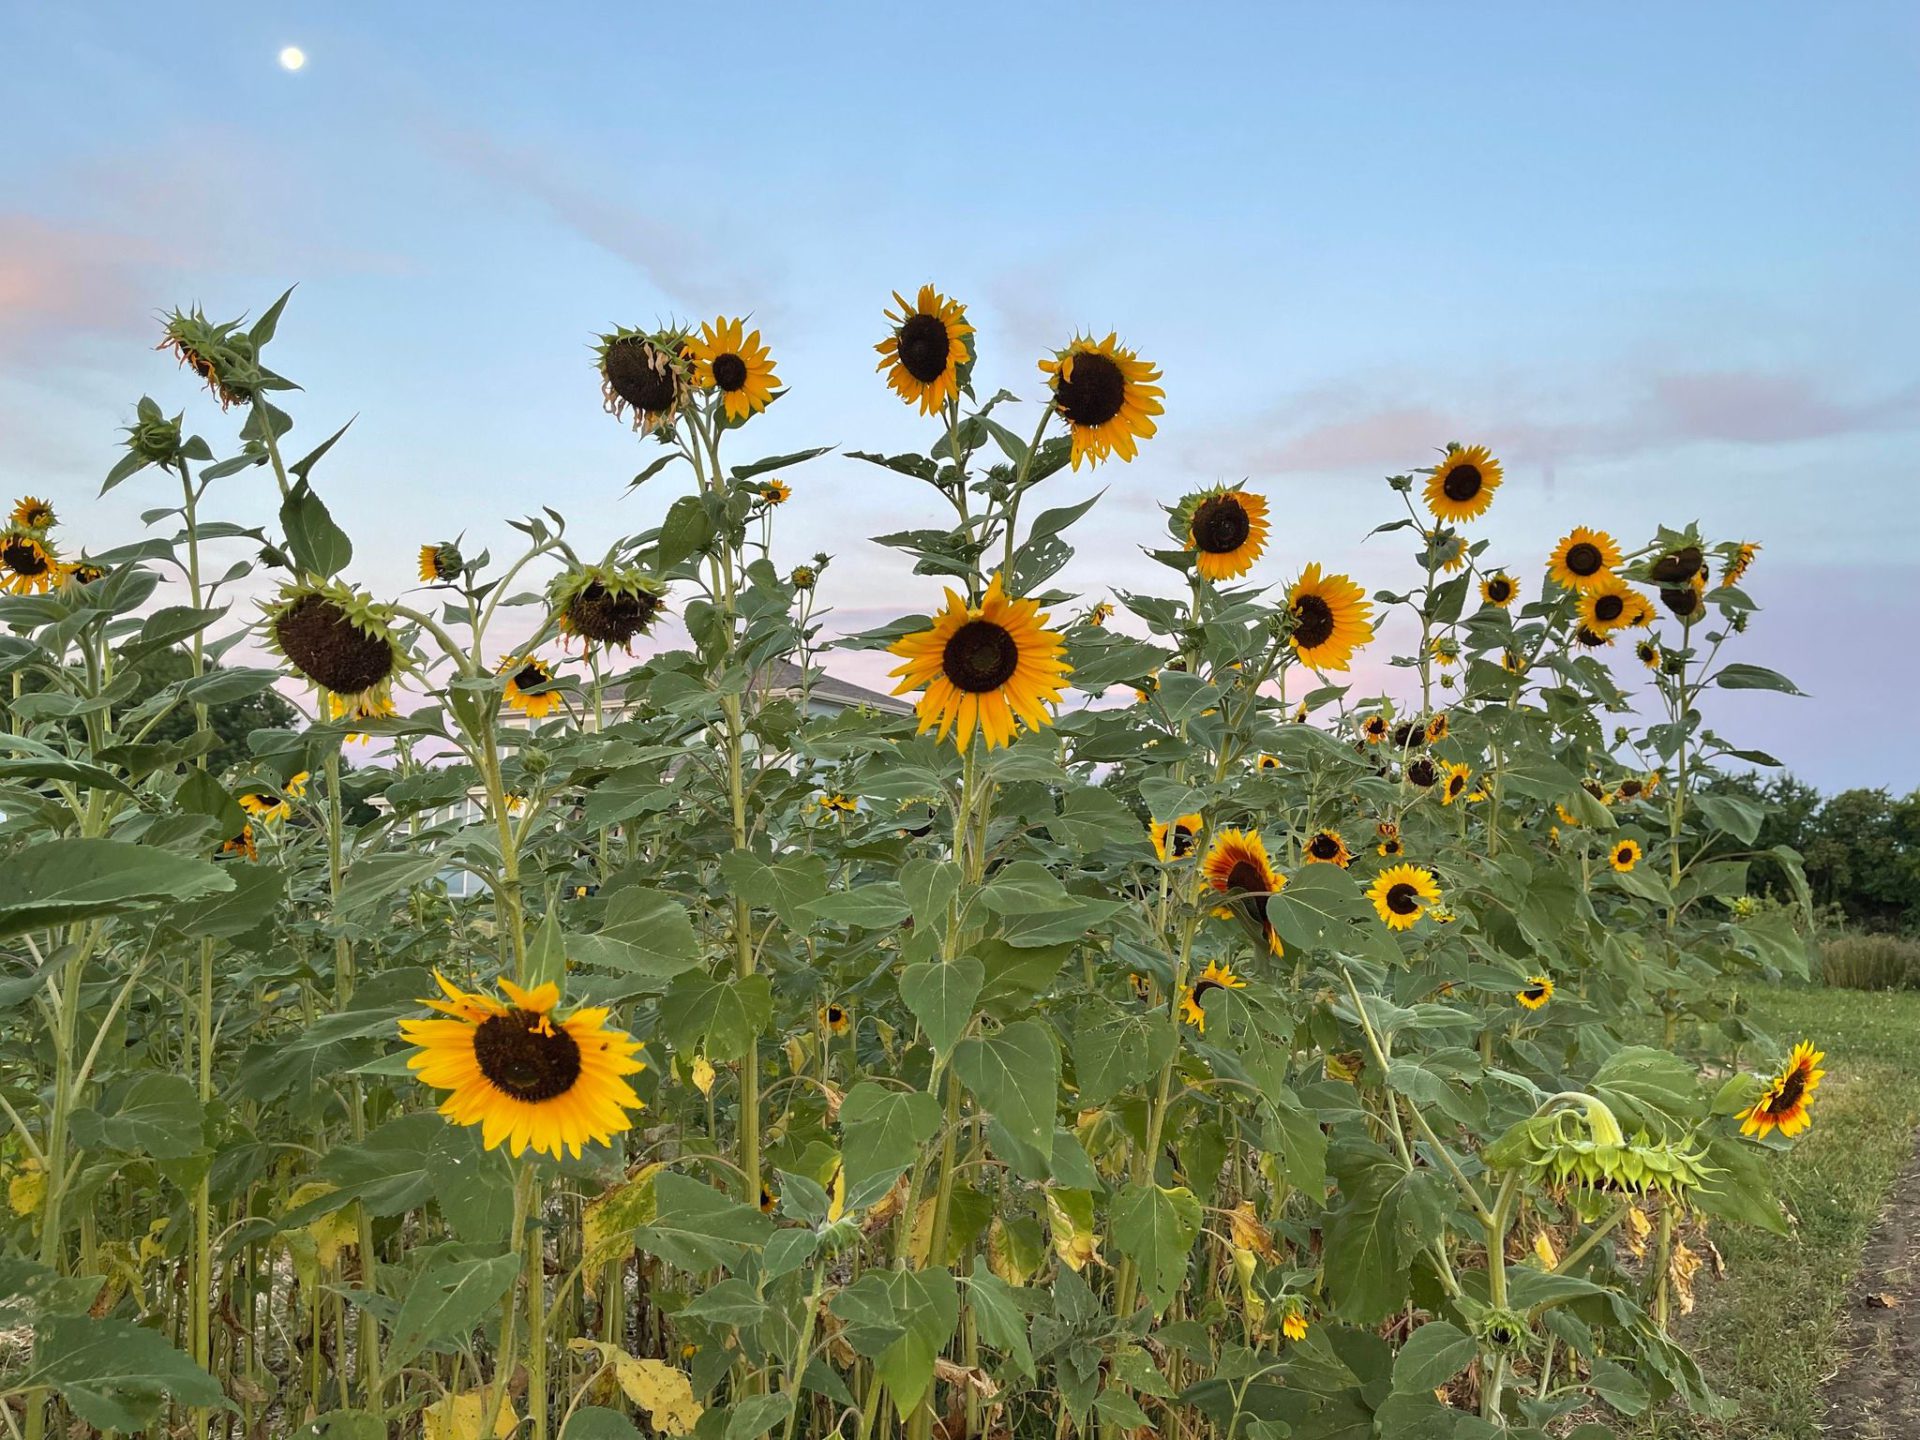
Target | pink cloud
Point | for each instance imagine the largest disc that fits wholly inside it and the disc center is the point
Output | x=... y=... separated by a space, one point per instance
x=56 y=278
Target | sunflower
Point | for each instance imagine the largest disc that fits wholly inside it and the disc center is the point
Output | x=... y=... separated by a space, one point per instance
x=776 y=492
x=1437 y=728
x=523 y=1073
x=606 y=605
x=1215 y=977
x=1424 y=773
x=28 y=562
x=1513 y=662
x=82 y=572
x=339 y=639
x=1175 y=839
x=1331 y=619
x=1683 y=602
x=736 y=365
x=440 y=563
x=927 y=350
x=30 y=513
x=1267 y=762
x=1582 y=557
x=1446 y=550
x=1325 y=847
x=1100 y=614
x=1446 y=650
x=1588 y=638
x=834 y=1018
x=1499 y=589
x=1735 y=571
x=1227 y=530
x=1401 y=894
x=1295 y=1325
x=241 y=844
x=527 y=677
x=1649 y=654
x=268 y=807
x=646 y=374
x=1462 y=485
x=1141 y=986
x=837 y=804
x=1456 y=783
x=1625 y=855
x=993 y=664
x=1374 y=729
x=1390 y=846
x=1106 y=395
x=1788 y=1096
x=1607 y=605
x=1238 y=863
x=1538 y=991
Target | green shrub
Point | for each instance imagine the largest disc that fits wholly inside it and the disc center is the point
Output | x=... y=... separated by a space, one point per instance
x=1870 y=962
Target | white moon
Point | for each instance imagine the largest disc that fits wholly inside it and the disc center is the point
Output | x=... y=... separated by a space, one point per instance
x=292 y=58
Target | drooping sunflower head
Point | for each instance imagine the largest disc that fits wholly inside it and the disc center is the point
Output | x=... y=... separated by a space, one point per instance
x=1499 y=589
x=607 y=605
x=1462 y=485
x=222 y=354
x=645 y=374
x=1423 y=772
x=1216 y=976
x=1098 y=614
x=1582 y=558
x=1446 y=550
x=835 y=1018
x=1226 y=531
x=1437 y=728
x=1331 y=617
x=1737 y=564
x=1325 y=847
x=1457 y=779
x=264 y=806
x=1401 y=894
x=1238 y=865
x=530 y=688
x=441 y=563
x=29 y=565
x=1625 y=853
x=338 y=638
x=1106 y=394
x=1649 y=654
x=1588 y=638
x=1536 y=992
x=1374 y=729
x=993 y=665
x=1409 y=735
x=528 y=1076
x=927 y=355
x=1607 y=605
x=1784 y=1104
x=728 y=359
x=1176 y=839
x=1683 y=602
x=1514 y=662
x=30 y=513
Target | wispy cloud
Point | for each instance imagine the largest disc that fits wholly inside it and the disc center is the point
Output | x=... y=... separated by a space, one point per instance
x=59 y=278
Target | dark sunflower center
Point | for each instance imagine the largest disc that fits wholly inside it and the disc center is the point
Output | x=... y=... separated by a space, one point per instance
x=1609 y=608
x=980 y=656
x=1403 y=899
x=1623 y=854
x=1392 y=847
x=1422 y=773
x=1589 y=637
x=1312 y=622
x=1462 y=483
x=1584 y=559
x=526 y=1055
x=1180 y=842
x=1221 y=524
x=1095 y=393
x=529 y=677
x=1456 y=784
x=729 y=372
x=23 y=559
x=1676 y=567
x=639 y=375
x=328 y=648
x=1535 y=992
x=1682 y=601
x=611 y=617
x=835 y=1014
x=1246 y=875
x=1323 y=846
x=923 y=346
x=1202 y=987
x=1499 y=590
x=1791 y=1089
x=1629 y=788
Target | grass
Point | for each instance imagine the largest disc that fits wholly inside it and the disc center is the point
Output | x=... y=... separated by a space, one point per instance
x=1766 y=1334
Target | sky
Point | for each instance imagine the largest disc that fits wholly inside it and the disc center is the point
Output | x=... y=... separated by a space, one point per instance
x=1659 y=258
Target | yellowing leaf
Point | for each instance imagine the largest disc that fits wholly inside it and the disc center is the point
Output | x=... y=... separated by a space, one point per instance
x=464 y=1416
x=608 y=1223
x=1544 y=1252
x=1070 y=1215
x=666 y=1394
x=1250 y=1234
x=27 y=1188
x=332 y=1232
x=703 y=1074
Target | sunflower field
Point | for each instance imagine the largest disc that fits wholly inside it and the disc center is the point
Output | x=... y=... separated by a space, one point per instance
x=1139 y=1030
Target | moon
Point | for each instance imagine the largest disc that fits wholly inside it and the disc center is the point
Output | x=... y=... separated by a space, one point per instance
x=292 y=58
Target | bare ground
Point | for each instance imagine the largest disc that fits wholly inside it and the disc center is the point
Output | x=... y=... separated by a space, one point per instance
x=1875 y=1392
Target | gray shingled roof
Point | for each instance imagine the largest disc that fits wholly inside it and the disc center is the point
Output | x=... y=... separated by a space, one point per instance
x=784 y=675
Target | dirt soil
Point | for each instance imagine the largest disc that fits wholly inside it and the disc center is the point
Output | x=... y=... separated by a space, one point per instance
x=1875 y=1394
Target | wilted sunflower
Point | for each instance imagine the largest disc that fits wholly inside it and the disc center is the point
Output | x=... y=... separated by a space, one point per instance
x=1331 y=619
x=837 y=804
x=736 y=364
x=1607 y=605
x=1423 y=772
x=339 y=639
x=927 y=349
x=776 y=492
x=1785 y=1102
x=1437 y=728
x=1215 y=977
x=1683 y=602
x=1582 y=557
x=993 y=664
x=644 y=373
x=29 y=564
x=1538 y=991
x=1462 y=485
x=1625 y=855
x=1499 y=589
x=1175 y=839
x=1456 y=783
x=1736 y=567
x=440 y=563
x=1401 y=894
x=1588 y=638
x=607 y=605
x=1106 y=395
x=1238 y=864
x=1374 y=729
x=834 y=1018
x=30 y=513
x=1325 y=847
x=526 y=675
x=526 y=1075
x=1226 y=531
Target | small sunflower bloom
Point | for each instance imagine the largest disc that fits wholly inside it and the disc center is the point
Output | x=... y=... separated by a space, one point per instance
x=1785 y=1103
x=1106 y=394
x=729 y=359
x=528 y=681
x=1217 y=976
x=1455 y=784
x=1582 y=557
x=1237 y=865
x=1226 y=532
x=1499 y=589
x=29 y=565
x=1325 y=847
x=1401 y=894
x=1332 y=618
x=1624 y=855
x=1536 y=992
x=1176 y=839
x=33 y=513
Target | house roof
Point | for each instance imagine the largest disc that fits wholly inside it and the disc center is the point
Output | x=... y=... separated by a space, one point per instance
x=785 y=675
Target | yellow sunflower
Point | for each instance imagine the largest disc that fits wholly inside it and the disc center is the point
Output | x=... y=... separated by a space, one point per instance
x=1295 y=1325
x=523 y=1073
x=1582 y=557
x=1462 y=485
x=735 y=364
x=1607 y=605
x=31 y=513
x=1226 y=532
x=834 y=1018
x=1538 y=991
x=1175 y=839
x=1325 y=847
x=1457 y=777
x=1267 y=762
x=440 y=563
x=1100 y=613
x=994 y=665
x=1238 y=864
x=1649 y=654
x=1447 y=550
x=1331 y=619
x=1437 y=728
x=1624 y=855
x=1374 y=729
x=1142 y=987
x=1736 y=567
x=241 y=844
x=1513 y=662
x=1215 y=977
x=1401 y=894
x=526 y=675
x=29 y=564
x=776 y=492
x=1499 y=589
x=1787 y=1098
x=1107 y=396
x=927 y=349
x=264 y=806
x=837 y=804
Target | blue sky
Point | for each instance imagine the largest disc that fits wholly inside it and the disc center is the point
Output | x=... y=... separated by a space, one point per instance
x=1660 y=258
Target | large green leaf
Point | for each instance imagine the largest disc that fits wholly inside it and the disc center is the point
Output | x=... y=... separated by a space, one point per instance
x=928 y=1302
x=719 y=1015
x=884 y=1129
x=697 y=1227
x=56 y=882
x=1015 y=1072
x=447 y=1302
x=152 y=1114
x=1155 y=1228
x=942 y=995
x=114 y=1374
x=646 y=932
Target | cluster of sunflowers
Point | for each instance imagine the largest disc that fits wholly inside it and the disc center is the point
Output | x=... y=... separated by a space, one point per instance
x=30 y=562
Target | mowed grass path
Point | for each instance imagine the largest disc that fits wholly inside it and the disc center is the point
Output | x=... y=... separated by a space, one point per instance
x=1767 y=1334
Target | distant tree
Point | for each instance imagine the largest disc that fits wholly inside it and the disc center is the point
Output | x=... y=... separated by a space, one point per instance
x=231 y=720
